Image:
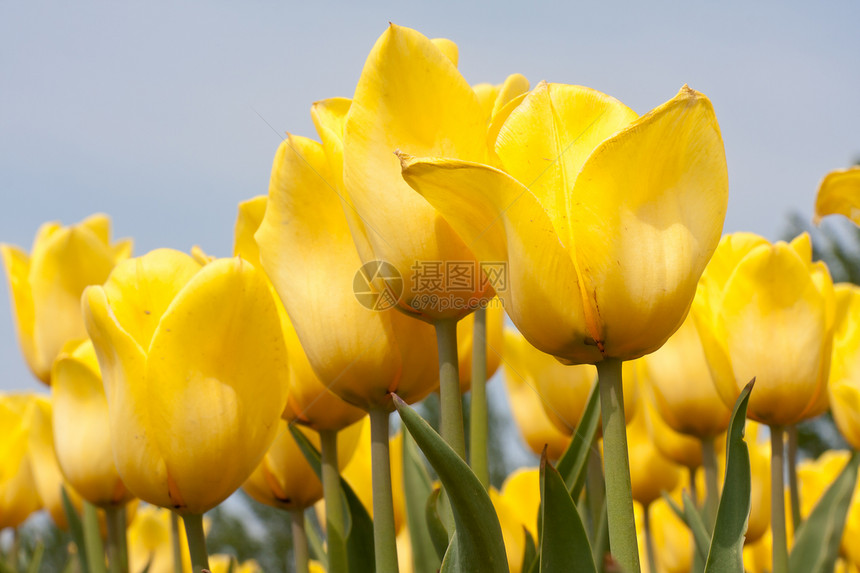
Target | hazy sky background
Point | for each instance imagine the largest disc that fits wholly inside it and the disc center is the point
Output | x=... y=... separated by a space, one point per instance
x=166 y=115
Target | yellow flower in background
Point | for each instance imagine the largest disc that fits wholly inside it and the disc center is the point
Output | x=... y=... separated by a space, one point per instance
x=81 y=425
x=309 y=402
x=193 y=361
x=150 y=541
x=844 y=383
x=678 y=378
x=679 y=448
x=767 y=311
x=521 y=489
x=672 y=539
x=46 y=285
x=426 y=109
x=18 y=497
x=513 y=532
x=285 y=480
x=495 y=326
x=226 y=563
x=651 y=473
x=523 y=366
x=360 y=350
x=839 y=194
x=620 y=215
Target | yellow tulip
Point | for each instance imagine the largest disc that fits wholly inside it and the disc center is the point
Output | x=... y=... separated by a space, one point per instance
x=82 y=436
x=221 y=563
x=839 y=194
x=521 y=489
x=513 y=532
x=650 y=472
x=844 y=383
x=680 y=382
x=680 y=448
x=672 y=539
x=18 y=497
x=495 y=325
x=767 y=311
x=411 y=97
x=284 y=479
x=310 y=253
x=46 y=285
x=524 y=366
x=193 y=361
x=619 y=222
x=309 y=402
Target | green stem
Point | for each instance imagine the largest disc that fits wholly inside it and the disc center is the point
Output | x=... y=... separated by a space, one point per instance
x=93 y=539
x=619 y=496
x=384 y=533
x=196 y=541
x=176 y=541
x=301 y=553
x=712 y=492
x=478 y=420
x=451 y=414
x=777 y=500
x=117 y=540
x=13 y=557
x=792 y=478
x=649 y=539
x=335 y=522
x=594 y=488
x=694 y=491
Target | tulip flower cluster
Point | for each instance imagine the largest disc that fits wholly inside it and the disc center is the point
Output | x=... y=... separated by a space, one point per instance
x=377 y=273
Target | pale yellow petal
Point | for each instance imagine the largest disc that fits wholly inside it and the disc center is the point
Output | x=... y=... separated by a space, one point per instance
x=647 y=211
x=839 y=194
x=449 y=48
x=247 y=222
x=217 y=381
x=17 y=264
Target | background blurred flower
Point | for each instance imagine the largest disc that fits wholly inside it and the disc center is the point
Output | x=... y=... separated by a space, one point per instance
x=18 y=497
x=839 y=194
x=46 y=285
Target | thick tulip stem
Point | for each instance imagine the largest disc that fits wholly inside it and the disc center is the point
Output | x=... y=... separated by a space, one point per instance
x=117 y=540
x=93 y=539
x=301 y=554
x=196 y=541
x=176 y=541
x=712 y=494
x=694 y=491
x=619 y=495
x=384 y=532
x=451 y=424
x=792 y=478
x=777 y=500
x=478 y=420
x=334 y=516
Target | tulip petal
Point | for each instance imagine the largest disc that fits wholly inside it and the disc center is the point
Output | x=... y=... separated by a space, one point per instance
x=17 y=264
x=839 y=194
x=61 y=266
x=308 y=252
x=247 y=222
x=547 y=138
x=426 y=109
x=773 y=309
x=216 y=375
x=122 y=362
x=647 y=213
x=845 y=401
x=141 y=289
x=82 y=436
x=506 y=227
x=449 y=48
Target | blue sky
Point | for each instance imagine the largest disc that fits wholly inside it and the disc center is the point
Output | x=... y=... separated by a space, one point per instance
x=166 y=115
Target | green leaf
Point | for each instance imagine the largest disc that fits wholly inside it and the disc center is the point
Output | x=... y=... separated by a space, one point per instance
x=726 y=551
x=315 y=543
x=36 y=559
x=417 y=487
x=816 y=545
x=530 y=555
x=477 y=545
x=358 y=531
x=76 y=528
x=573 y=463
x=564 y=540
x=435 y=526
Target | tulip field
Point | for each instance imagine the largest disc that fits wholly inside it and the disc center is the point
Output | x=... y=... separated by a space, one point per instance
x=330 y=378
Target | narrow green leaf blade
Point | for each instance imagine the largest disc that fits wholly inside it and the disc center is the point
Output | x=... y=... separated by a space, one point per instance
x=435 y=526
x=36 y=559
x=574 y=461
x=726 y=551
x=530 y=555
x=417 y=487
x=564 y=540
x=76 y=528
x=816 y=546
x=478 y=544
